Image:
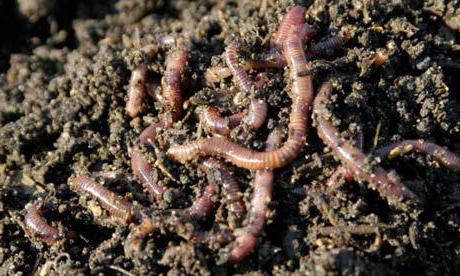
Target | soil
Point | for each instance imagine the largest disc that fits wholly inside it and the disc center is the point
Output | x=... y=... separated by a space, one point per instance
x=64 y=71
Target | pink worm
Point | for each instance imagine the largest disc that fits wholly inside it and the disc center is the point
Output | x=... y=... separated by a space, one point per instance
x=246 y=242
x=114 y=204
x=443 y=156
x=220 y=174
x=352 y=157
x=142 y=169
x=302 y=97
x=37 y=226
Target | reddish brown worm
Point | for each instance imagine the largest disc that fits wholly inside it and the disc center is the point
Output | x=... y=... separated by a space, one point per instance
x=214 y=123
x=36 y=225
x=254 y=118
x=302 y=95
x=443 y=156
x=218 y=73
x=220 y=174
x=136 y=91
x=117 y=206
x=142 y=169
x=176 y=64
x=294 y=17
x=352 y=157
x=148 y=135
x=330 y=44
x=202 y=206
x=263 y=187
x=242 y=78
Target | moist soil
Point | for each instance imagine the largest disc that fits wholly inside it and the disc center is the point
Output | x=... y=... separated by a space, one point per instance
x=64 y=72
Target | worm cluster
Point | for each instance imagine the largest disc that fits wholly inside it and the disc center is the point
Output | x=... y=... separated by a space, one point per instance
x=219 y=152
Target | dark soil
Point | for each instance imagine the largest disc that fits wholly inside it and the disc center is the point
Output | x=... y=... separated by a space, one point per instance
x=64 y=69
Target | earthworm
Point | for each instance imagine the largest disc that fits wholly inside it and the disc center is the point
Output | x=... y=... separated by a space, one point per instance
x=171 y=83
x=301 y=100
x=295 y=16
x=443 y=156
x=214 y=123
x=263 y=187
x=242 y=78
x=216 y=74
x=142 y=169
x=136 y=90
x=37 y=226
x=352 y=157
x=254 y=118
x=148 y=135
x=202 y=206
x=219 y=173
x=256 y=115
x=114 y=204
x=330 y=44
x=333 y=182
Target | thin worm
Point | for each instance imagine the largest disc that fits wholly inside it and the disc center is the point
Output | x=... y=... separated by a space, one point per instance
x=214 y=123
x=219 y=173
x=295 y=16
x=333 y=182
x=136 y=90
x=244 y=158
x=36 y=225
x=330 y=44
x=242 y=78
x=254 y=118
x=246 y=243
x=352 y=157
x=142 y=169
x=202 y=206
x=114 y=204
x=342 y=172
x=443 y=156
x=171 y=84
x=149 y=134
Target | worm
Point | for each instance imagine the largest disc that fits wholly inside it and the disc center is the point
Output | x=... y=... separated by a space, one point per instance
x=171 y=84
x=263 y=187
x=330 y=44
x=142 y=169
x=302 y=96
x=37 y=226
x=219 y=173
x=114 y=204
x=295 y=16
x=333 y=182
x=242 y=78
x=352 y=157
x=254 y=118
x=148 y=135
x=214 y=123
x=136 y=90
x=443 y=156
x=202 y=206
